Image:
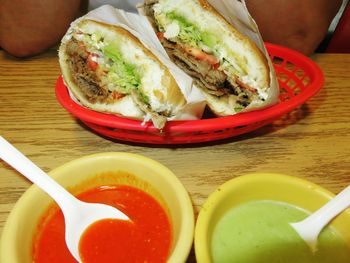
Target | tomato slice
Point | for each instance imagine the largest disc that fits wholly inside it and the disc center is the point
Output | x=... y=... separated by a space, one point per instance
x=116 y=95
x=91 y=63
x=246 y=86
x=160 y=35
x=216 y=66
x=201 y=55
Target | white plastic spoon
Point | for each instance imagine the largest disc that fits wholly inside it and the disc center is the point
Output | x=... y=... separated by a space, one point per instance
x=78 y=215
x=309 y=228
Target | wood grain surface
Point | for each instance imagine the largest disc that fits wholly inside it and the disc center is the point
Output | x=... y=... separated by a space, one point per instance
x=312 y=142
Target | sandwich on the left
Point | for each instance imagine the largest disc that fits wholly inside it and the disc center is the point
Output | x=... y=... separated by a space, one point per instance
x=109 y=70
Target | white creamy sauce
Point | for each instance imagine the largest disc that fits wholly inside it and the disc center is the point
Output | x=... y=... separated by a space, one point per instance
x=172 y=30
x=205 y=21
x=150 y=72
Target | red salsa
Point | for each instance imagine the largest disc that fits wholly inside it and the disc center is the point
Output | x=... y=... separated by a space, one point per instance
x=146 y=238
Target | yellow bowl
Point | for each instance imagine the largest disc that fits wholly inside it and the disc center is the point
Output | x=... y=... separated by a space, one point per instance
x=95 y=170
x=260 y=186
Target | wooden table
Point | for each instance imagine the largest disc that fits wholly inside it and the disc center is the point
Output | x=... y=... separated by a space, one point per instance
x=312 y=142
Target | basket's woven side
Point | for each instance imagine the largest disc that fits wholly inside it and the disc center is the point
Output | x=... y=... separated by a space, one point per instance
x=299 y=79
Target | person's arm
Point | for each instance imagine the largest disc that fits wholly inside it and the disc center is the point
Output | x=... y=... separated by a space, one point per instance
x=30 y=27
x=298 y=24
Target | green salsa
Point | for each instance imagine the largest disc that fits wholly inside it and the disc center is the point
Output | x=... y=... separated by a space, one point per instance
x=259 y=232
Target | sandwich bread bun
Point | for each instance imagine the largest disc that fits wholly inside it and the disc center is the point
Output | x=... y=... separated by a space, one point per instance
x=230 y=69
x=108 y=69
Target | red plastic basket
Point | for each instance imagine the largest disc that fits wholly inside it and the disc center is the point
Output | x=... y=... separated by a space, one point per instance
x=299 y=79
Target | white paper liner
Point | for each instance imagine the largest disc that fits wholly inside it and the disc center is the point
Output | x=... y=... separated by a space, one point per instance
x=140 y=28
x=237 y=14
x=234 y=11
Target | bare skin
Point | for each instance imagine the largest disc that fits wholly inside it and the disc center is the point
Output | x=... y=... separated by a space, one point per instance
x=29 y=27
x=298 y=24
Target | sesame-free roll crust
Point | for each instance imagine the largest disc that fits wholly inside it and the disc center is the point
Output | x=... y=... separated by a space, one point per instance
x=229 y=68
x=109 y=70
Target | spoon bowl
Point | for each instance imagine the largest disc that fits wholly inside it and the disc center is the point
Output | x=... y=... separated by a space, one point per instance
x=244 y=189
x=23 y=226
x=310 y=228
x=78 y=215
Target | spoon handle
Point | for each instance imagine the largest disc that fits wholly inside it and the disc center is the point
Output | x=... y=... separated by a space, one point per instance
x=326 y=213
x=22 y=164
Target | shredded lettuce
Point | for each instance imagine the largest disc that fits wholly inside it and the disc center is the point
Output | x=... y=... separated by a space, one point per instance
x=238 y=108
x=124 y=75
x=190 y=33
x=208 y=39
